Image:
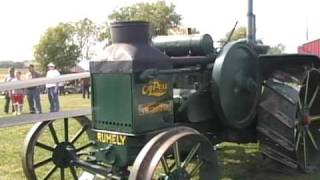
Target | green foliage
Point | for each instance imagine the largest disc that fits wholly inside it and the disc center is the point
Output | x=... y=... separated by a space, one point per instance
x=239 y=33
x=161 y=16
x=85 y=35
x=8 y=64
x=277 y=49
x=57 y=46
x=104 y=32
x=195 y=31
x=180 y=30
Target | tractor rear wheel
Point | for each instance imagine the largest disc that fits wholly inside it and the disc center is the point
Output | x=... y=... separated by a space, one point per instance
x=180 y=153
x=289 y=118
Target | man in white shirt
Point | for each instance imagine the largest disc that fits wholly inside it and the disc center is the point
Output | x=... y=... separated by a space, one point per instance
x=53 y=88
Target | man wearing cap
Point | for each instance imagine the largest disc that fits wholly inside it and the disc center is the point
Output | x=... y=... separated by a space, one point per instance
x=53 y=88
x=33 y=93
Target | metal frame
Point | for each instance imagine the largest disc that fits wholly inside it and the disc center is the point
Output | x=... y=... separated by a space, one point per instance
x=33 y=118
x=41 y=81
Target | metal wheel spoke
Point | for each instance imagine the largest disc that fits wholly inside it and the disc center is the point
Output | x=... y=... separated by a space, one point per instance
x=73 y=172
x=176 y=154
x=50 y=172
x=299 y=103
x=165 y=165
x=196 y=169
x=83 y=154
x=298 y=140
x=78 y=134
x=66 y=138
x=53 y=133
x=172 y=166
x=306 y=90
x=190 y=155
x=313 y=118
x=84 y=147
x=312 y=138
x=304 y=151
x=44 y=146
x=313 y=97
x=62 y=173
x=42 y=163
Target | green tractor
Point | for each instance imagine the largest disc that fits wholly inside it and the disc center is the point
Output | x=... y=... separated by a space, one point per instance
x=159 y=110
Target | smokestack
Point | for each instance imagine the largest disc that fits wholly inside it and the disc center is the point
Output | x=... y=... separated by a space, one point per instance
x=251 y=23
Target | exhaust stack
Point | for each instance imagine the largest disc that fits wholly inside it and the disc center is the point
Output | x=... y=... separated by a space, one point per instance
x=251 y=23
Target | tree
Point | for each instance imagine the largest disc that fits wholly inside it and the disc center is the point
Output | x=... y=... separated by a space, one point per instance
x=104 y=32
x=195 y=31
x=85 y=35
x=161 y=16
x=277 y=49
x=239 y=33
x=57 y=46
x=181 y=30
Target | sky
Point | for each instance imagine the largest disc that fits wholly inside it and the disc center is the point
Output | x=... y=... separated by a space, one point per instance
x=23 y=22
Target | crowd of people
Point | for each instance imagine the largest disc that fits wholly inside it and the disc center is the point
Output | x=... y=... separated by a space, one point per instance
x=16 y=96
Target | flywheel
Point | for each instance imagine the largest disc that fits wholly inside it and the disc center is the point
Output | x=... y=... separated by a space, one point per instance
x=236 y=84
x=289 y=118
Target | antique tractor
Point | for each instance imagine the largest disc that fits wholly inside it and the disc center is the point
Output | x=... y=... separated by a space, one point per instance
x=158 y=111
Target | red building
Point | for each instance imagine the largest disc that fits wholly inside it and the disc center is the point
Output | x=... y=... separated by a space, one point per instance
x=312 y=47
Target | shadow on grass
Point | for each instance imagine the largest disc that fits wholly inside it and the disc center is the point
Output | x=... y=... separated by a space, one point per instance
x=245 y=162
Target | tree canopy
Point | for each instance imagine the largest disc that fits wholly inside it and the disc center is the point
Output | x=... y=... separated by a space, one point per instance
x=57 y=46
x=85 y=34
x=161 y=16
x=239 y=33
x=277 y=49
x=67 y=43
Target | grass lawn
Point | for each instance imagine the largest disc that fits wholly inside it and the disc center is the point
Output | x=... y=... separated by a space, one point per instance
x=11 y=138
x=237 y=162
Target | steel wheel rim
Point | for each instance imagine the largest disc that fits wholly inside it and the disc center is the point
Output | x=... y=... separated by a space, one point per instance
x=306 y=103
x=32 y=142
x=156 y=155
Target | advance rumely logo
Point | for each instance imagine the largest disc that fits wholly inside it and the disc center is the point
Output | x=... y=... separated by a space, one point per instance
x=155 y=88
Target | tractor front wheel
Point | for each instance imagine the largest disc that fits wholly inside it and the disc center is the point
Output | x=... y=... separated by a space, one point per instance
x=50 y=147
x=180 y=153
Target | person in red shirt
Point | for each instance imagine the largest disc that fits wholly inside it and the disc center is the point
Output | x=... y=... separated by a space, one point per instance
x=17 y=96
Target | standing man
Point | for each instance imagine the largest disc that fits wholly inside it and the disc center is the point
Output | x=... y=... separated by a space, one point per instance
x=7 y=95
x=85 y=85
x=53 y=88
x=33 y=93
x=61 y=88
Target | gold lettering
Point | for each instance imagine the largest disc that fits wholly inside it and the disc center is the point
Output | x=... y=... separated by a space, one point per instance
x=155 y=88
x=152 y=108
x=99 y=137
x=108 y=138
x=122 y=140
x=111 y=138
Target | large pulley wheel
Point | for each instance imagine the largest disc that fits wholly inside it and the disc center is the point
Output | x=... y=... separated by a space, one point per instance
x=179 y=153
x=289 y=118
x=236 y=84
x=50 y=146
